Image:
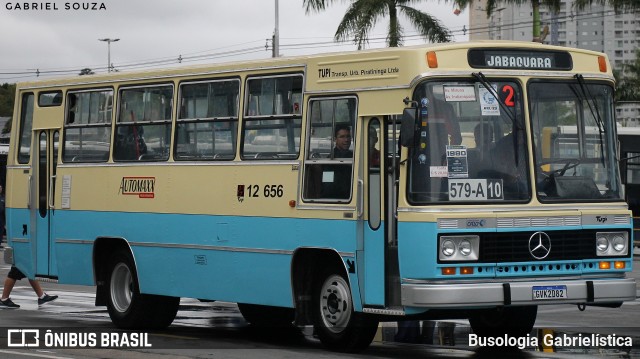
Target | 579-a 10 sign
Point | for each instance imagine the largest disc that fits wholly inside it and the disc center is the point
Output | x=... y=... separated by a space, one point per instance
x=466 y=189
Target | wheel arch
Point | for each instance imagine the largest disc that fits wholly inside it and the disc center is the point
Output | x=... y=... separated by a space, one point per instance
x=306 y=266
x=103 y=248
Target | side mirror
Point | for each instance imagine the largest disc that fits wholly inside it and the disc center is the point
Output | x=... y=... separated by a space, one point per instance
x=408 y=126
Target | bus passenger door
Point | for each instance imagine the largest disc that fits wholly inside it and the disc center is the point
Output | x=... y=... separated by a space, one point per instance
x=379 y=164
x=42 y=195
x=372 y=199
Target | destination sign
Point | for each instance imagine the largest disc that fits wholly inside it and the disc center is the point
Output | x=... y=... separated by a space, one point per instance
x=519 y=59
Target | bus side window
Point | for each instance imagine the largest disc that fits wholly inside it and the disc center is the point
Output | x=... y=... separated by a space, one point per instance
x=329 y=161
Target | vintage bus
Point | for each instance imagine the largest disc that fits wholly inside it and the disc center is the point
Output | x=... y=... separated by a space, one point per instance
x=463 y=180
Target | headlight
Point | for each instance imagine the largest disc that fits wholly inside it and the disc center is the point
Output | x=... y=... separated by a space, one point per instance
x=448 y=248
x=602 y=243
x=465 y=247
x=612 y=243
x=459 y=248
x=619 y=243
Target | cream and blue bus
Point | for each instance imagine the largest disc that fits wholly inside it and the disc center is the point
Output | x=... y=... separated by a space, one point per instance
x=480 y=181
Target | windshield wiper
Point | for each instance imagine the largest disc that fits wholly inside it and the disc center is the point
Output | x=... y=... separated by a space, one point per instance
x=483 y=80
x=586 y=93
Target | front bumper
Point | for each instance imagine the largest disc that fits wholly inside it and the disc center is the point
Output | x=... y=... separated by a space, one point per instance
x=465 y=295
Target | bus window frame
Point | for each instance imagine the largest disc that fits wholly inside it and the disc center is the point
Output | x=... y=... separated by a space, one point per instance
x=311 y=161
x=108 y=125
x=57 y=98
x=119 y=122
x=520 y=126
x=247 y=119
x=21 y=157
x=610 y=146
x=212 y=120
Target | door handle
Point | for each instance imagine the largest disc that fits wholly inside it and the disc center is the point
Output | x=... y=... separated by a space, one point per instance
x=52 y=181
x=360 y=198
x=29 y=190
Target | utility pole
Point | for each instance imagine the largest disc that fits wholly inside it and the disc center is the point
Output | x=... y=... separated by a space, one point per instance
x=109 y=41
x=276 y=36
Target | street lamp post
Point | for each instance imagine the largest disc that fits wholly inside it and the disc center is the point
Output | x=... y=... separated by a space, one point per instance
x=109 y=41
x=276 y=35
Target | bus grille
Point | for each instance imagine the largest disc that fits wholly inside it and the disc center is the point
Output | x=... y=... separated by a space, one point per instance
x=514 y=246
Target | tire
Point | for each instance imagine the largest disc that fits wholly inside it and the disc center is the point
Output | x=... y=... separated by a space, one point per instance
x=267 y=316
x=511 y=321
x=338 y=327
x=127 y=307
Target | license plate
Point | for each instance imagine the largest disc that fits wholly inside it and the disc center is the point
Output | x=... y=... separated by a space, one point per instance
x=467 y=189
x=550 y=292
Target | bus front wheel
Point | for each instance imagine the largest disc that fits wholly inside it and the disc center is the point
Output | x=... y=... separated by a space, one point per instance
x=338 y=327
x=127 y=307
x=511 y=321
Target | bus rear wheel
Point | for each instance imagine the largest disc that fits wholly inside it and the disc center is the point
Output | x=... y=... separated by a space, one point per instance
x=338 y=327
x=511 y=321
x=127 y=307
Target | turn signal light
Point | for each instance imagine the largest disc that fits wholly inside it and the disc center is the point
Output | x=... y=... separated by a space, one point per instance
x=432 y=59
x=602 y=63
x=619 y=265
x=449 y=271
x=466 y=270
x=605 y=265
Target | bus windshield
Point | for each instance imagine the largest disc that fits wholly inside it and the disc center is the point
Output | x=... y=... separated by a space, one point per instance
x=574 y=141
x=469 y=148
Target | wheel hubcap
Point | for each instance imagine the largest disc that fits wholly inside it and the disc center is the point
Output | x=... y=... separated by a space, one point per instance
x=121 y=287
x=335 y=303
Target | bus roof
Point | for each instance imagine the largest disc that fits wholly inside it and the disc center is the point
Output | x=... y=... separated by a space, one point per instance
x=411 y=59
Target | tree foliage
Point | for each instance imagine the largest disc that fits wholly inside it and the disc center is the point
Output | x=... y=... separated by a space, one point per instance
x=362 y=16
x=7 y=97
x=628 y=81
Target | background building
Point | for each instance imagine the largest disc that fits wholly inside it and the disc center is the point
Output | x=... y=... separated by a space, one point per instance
x=596 y=28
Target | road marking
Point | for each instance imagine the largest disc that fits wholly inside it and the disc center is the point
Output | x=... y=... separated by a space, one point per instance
x=173 y=336
x=34 y=355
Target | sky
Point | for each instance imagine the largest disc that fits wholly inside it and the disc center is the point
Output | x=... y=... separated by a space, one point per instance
x=57 y=40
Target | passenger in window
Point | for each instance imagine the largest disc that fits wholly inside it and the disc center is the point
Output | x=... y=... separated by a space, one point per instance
x=480 y=157
x=374 y=153
x=483 y=135
x=342 y=142
x=508 y=159
x=336 y=179
x=442 y=113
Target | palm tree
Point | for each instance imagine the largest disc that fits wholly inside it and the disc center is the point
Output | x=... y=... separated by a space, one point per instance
x=553 y=5
x=363 y=15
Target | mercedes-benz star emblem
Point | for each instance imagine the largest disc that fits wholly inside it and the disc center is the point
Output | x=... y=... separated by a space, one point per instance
x=539 y=245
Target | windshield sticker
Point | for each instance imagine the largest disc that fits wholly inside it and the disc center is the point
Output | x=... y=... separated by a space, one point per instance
x=438 y=171
x=459 y=93
x=475 y=189
x=488 y=103
x=457 y=166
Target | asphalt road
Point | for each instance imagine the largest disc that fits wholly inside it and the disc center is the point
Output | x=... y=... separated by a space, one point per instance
x=217 y=330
